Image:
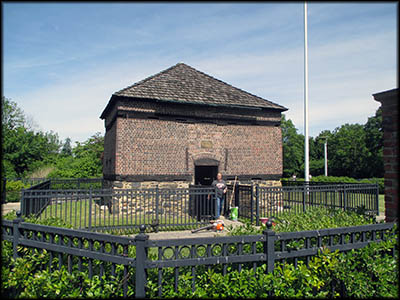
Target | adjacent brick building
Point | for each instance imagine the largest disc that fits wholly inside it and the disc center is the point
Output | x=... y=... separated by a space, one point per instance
x=390 y=118
x=182 y=126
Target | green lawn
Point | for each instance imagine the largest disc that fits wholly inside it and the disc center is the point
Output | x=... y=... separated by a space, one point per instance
x=381 y=204
x=271 y=203
x=78 y=214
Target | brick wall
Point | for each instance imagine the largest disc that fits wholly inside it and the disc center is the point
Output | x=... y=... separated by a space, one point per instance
x=390 y=112
x=155 y=138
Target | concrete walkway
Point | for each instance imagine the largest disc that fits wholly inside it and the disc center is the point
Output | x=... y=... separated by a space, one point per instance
x=187 y=234
x=7 y=207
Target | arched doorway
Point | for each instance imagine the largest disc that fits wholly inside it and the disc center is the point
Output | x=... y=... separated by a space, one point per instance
x=205 y=171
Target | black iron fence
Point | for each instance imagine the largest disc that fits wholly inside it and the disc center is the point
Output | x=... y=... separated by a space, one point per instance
x=12 y=192
x=108 y=209
x=145 y=259
x=255 y=202
x=121 y=209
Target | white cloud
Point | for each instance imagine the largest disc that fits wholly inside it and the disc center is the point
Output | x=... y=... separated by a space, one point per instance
x=344 y=73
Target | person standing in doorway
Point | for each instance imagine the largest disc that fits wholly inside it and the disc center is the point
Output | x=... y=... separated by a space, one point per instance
x=221 y=191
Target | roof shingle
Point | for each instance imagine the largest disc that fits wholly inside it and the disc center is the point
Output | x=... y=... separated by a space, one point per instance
x=184 y=84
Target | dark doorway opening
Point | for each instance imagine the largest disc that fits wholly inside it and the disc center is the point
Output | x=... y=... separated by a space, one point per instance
x=204 y=175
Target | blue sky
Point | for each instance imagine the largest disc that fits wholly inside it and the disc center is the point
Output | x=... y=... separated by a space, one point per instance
x=62 y=61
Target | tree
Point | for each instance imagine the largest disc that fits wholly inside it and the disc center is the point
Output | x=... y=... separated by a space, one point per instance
x=293 y=148
x=13 y=116
x=348 y=151
x=66 y=148
x=84 y=162
x=374 y=143
x=23 y=149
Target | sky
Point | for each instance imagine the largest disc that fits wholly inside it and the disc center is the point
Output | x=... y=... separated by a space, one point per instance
x=62 y=61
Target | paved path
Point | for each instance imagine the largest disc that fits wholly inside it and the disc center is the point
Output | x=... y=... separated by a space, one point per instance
x=186 y=234
x=7 y=207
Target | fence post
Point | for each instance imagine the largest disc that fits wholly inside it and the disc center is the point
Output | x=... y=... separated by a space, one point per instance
x=251 y=205
x=16 y=233
x=344 y=197
x=269 y=247
x=22 y=203
x=237 y=197
x=257 y=205
x=90 y=208
x=377 y=199
x=304 y=196
x=141 y=257
x=157 y=208
x=3 y=190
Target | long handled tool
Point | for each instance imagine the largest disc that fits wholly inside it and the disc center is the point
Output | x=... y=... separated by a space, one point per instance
x=233 y=192
x=217 y=226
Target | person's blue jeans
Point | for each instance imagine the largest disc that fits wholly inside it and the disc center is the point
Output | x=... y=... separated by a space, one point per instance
x=220 y=206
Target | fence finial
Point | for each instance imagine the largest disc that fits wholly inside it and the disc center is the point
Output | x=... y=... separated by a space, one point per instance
x=269 y=224
x=19 y=214
x=142 y=228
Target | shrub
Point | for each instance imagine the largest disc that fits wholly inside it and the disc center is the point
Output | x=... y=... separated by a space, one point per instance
x=367 y=272
x=13 y=190
x=28 y=280
x=342 y=179
x=312 y=219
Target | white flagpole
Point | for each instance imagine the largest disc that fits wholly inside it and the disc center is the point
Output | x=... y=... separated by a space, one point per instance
x=306 y=149
x=326 y=156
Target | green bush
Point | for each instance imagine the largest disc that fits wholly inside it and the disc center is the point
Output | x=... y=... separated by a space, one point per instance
x=312 y=219
x=368 y=272
x=342 y=179
x=28 y=280
x=13 y=190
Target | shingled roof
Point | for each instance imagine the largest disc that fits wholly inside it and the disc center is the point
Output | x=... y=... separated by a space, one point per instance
x=183 y=84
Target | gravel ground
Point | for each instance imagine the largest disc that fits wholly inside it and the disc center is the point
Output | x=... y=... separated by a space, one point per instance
x=185 y=234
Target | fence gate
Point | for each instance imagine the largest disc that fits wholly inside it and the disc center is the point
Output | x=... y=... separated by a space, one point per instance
x=242 y=196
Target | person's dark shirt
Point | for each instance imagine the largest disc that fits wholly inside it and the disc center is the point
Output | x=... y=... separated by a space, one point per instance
x=221 y=185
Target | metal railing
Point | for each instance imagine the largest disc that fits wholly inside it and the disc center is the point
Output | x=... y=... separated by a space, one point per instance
x=109 y=209
x=273 y=201
x=145 y=259
x=255 y=202
x=121 y=209
x=54 y=183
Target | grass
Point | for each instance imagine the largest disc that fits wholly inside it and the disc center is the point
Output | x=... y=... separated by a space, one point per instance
x=381 y=204
x=78 y=212
x=42 y=172
x=271 y=203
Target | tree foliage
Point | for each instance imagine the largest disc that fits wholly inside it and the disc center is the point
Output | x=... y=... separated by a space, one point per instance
x=293 y=148
x=24 y=150
x=354 y=150
x=84 y=161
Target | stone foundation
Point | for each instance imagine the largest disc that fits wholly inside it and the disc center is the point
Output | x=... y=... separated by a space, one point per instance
x=131 y=202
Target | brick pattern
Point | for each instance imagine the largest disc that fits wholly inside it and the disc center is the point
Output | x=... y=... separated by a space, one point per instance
x=110 y=150
x=140 y=146
x=390 y=112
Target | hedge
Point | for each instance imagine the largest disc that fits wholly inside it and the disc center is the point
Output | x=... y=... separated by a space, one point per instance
x=368 y=272
x=342 y=179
